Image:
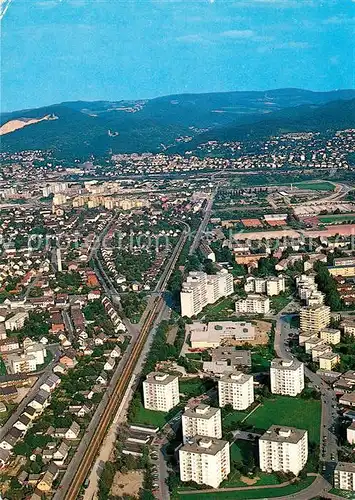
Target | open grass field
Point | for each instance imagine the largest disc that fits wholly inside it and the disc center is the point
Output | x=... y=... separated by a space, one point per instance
x=284 y=410
x=150 y=417
x=234 y=417
x=250 y=494
x=315 y=186
x=240 y=450
x=337 y=218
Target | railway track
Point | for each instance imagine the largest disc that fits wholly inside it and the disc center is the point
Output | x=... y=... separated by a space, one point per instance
x=112 y=406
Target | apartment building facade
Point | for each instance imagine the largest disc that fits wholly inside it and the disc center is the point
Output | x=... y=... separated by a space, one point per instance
x=286 y=377
x=161 y=391
x=314 y=318
x=283 y=449
x=201 y=289
x=236 y=389
x=253 y=304
x=205 y=460
x=203 y=420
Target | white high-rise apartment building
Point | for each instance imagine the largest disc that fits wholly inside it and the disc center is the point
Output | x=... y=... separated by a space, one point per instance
x=344 y=476
x=161 y=391
x=205 y=460
x=201 y=289
x=253 y=304
x=283 y=449
x=236 y=389
x=203 y=420
x=287 y=377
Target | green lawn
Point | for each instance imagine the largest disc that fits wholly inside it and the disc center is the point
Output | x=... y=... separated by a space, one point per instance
x=194 y=387
x=2 y=367
x=250 y=494
x=278 y=302
x=150 y=417
x=239 y=453
x=330 y=219
x=6 y=415
x=234 y=417
x=284 y=410
x=259 y=362
x=343 y=493
x=315 y=186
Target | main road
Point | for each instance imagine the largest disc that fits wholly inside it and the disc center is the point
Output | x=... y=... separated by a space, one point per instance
x=204 y=222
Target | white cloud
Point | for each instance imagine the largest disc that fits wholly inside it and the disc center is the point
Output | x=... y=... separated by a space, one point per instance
x=339 y=20
x=238 y=34
x=293 y=45
x=194 y=38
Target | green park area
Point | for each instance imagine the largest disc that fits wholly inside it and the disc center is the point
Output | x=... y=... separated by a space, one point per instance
x=337 y=218
x=315 y=186
x=283 y=410
x=250 y=493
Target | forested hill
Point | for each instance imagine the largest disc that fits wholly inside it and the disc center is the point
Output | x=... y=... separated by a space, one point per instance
x=83 y=128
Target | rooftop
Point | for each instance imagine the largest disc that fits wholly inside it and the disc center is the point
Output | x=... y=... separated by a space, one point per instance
x=204 y=445
x=283 y=434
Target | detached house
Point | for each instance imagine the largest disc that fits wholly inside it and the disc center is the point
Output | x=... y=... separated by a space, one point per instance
x=109 y=365
x=71 y=433
x=60 y=455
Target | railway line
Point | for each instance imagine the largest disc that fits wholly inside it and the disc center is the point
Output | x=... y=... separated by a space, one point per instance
x=112 y=406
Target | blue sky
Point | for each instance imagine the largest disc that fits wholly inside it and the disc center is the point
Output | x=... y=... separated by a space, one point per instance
x=59 y=50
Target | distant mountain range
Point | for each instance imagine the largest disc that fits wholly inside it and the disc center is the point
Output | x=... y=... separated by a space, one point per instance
x=78 y=129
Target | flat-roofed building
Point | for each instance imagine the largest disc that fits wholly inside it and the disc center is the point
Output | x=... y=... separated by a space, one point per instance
x=283 y=449
x=286 y=377
x=328 y=360
x=319 y=350
x=205 y=460
x=227 y=359
x=305 y=336
x=236 y=389
x=253 y=304
x=312 y=343
x=344 y=476
x=348 y=327
x=330 y=335
x=201 y=289
x=347 y=271
x=213 y=334
x=314 y=319
x=161 y=391
x=272 y=285
x=203 y=420
x=347 y=399
x=17 y=321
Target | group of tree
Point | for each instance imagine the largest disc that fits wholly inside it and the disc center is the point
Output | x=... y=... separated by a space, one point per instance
x=327 y=285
